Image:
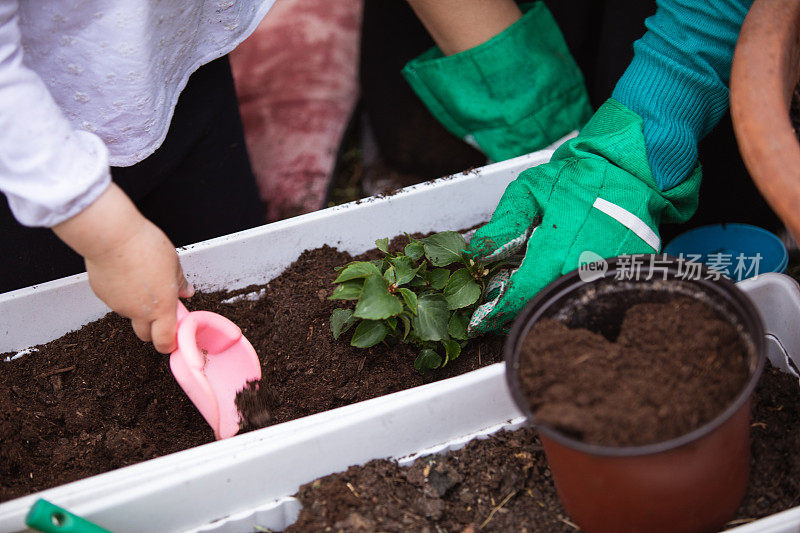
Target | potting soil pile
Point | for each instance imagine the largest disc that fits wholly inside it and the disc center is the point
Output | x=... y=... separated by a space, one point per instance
x=673 y=367
x=99 y=399
x=503 y=483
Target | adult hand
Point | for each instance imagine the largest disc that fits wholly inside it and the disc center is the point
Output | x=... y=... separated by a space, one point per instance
x=596 y=194
x=132 y=265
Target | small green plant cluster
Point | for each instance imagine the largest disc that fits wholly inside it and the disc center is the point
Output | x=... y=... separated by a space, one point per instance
x=424 y=296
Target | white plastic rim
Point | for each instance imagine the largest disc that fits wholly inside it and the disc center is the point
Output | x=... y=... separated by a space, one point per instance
x=283 y=512
x=41 y=313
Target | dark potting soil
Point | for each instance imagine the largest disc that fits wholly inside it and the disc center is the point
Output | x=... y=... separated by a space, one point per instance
x=99 y=399
x=255 y=404
x=441 y=493
x=503 y=483
x=774 y=444
x=673 y=367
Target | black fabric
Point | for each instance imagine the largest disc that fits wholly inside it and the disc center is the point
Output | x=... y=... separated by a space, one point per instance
x=196 y=186
x=409 y=139
x=600 y=36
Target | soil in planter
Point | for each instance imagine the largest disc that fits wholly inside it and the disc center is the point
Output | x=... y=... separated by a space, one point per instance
x=255 y=404
x=99 y=399
x=775 y=447
x=674 y=366
x=451 y=493
x=503 y=483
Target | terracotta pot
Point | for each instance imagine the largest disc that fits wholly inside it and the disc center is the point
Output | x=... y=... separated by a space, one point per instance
x=692 y=483
x=763 y=77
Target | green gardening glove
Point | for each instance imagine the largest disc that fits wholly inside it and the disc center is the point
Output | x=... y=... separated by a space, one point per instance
x=596 y=194
x=516 y=93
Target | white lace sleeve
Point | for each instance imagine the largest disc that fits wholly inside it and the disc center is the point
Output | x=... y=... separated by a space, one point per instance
x=48 y=171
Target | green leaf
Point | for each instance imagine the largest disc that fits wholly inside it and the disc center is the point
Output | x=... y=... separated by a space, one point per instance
x=341 y=321
x=404 y=269
x=406 y=325
x=383 y=245
x=452 y=350
x=391 y=322
x=421 y=279
x=410 y=299
x=349 y=290
x=457 y=327
x=461 y=290
x=376 y=302
x=427 y=360
x=438 y=278
x=444 y=248
x=430 y=323
x=389 y=275
x=415 y=250
x=368 y=333
x=359 y=269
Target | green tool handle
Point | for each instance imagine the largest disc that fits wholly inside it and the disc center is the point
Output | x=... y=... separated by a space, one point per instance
x=49 y=518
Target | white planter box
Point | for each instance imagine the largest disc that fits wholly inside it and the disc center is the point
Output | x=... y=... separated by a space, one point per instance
x=233 y=484
x=179 y=491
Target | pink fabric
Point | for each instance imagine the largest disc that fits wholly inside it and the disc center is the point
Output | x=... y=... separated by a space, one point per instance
x=297 y=81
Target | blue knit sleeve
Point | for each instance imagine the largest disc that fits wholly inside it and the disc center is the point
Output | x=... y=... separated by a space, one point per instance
x=678 y=79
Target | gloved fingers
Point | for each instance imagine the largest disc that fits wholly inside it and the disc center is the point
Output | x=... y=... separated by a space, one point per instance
x=493 y=245
x=511 y=224
x=557 y=247
x=497 y=284
x=483 y=317
x=516 y=290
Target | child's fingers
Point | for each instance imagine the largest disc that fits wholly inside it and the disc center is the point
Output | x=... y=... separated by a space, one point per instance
x=163 y=330
x=185 y=289
x=142 y=329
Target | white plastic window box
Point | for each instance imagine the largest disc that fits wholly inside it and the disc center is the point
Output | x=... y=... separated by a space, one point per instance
x=248 y=480
x=157 y=495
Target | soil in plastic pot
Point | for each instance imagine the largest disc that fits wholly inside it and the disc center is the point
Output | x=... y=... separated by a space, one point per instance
x=503 y=483
x=673 y=367
x=99 y=399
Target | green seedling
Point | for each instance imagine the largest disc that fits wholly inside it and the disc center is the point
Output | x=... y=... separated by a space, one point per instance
x=424 y=295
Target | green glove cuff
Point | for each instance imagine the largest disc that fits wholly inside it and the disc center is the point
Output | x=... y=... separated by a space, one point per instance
x=615 y=135
x=516 y=93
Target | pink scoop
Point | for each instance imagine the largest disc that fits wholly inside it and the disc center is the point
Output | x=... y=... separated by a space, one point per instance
x=212 y=363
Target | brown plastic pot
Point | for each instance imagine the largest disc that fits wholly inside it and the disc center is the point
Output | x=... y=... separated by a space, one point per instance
x=693 y=483
x=765 y=71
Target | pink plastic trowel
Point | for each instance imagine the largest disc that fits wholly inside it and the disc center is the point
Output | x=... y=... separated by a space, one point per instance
x=212 y=363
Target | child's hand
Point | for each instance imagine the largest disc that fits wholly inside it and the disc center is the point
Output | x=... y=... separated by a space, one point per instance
x=132 y=265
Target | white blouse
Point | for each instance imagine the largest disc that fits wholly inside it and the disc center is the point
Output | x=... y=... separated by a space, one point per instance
x=85 y=84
